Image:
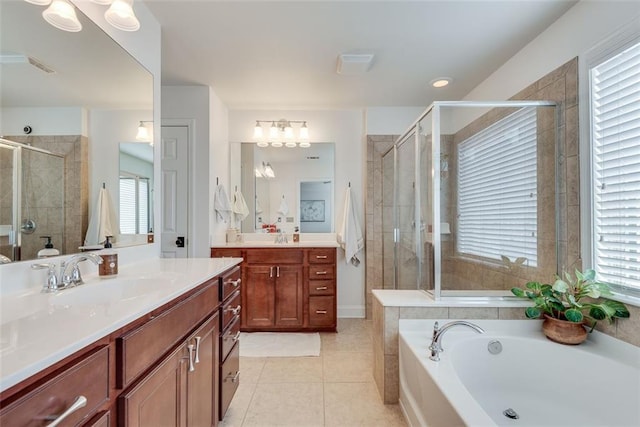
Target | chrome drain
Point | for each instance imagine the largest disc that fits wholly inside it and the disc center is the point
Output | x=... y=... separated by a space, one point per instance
x=510 y=413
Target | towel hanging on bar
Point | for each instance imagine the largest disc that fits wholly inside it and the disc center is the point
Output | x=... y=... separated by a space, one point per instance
x=240 y=208
x=350 y=234
x=103 y=220
x=221 y=204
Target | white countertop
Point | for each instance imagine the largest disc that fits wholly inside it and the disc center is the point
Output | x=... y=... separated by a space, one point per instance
x=38 y=330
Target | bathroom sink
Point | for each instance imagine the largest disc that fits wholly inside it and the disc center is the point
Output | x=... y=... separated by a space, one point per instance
x=20 y=306
x=105 y=292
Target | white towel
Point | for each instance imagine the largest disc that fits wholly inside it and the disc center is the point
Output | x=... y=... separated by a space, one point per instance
x=103 y=220
x=221 y=204
x=240 y=208
x=283 y=210
x=258 y=207
x=350 y=235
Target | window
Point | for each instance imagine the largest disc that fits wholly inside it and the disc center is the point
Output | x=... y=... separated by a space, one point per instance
x=615 y=139
x=497 y=190
x=134 y=205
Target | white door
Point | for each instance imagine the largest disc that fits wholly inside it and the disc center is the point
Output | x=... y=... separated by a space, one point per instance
x=175 y=191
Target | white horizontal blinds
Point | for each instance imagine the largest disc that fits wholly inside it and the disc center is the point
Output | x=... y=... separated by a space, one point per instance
x=127 y=205
x=497 y=190
x=143 y=206
x=615 y=97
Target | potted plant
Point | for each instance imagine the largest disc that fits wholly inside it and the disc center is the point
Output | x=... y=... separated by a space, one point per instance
x=562 y=306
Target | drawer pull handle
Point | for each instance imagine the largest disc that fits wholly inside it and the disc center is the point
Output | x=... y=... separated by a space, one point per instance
x=278 y=271
x=321 y=311
x=321 y=257
x=190 y=348
x=80 y=402
x=321 y=288
x=271 y=272
x=236 y=337
x=235 y=310
x=198 y=349
x=235 y=283
x=233 y=378
x=321 y=273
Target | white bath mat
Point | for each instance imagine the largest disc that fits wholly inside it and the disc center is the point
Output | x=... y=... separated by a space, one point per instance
x=279 y=344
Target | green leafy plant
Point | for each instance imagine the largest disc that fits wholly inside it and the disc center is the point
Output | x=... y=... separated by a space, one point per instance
x=564 y=299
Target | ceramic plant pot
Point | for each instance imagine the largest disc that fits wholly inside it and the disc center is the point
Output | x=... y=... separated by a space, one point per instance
x=563 y=331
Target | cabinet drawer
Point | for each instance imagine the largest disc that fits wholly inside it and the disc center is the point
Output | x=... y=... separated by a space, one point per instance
x=321 y=272
x=322 y=256
x=103 y=419
x=229 y=338
x=274 y=256
x=229 y=379
x=322 y=287
x=88 y=377
x=230 y=283
x=140 y=348
x=230 y=310
x=322 y=311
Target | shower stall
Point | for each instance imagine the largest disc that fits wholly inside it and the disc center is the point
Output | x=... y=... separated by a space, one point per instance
x=470 y=199
x=31 y=199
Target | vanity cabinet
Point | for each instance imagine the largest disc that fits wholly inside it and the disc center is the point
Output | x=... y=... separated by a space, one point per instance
x=286 y=289
x=230 y=309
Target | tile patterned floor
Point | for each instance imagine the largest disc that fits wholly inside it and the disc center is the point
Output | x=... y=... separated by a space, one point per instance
x=335 y=389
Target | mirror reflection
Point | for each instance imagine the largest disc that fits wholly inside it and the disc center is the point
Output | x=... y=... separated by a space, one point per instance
x=60 y=95
x=286 y=188
x=136 y=188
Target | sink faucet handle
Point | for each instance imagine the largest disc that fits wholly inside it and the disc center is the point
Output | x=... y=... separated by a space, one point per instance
x=51 y=284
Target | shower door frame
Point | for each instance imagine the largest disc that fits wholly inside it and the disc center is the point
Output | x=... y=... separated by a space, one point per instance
x=435 y=110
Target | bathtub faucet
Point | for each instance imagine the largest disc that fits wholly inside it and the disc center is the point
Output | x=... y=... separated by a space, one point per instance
x=438 y=332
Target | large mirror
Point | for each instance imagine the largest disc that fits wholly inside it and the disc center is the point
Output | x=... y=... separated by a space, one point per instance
x=285 y=188
x=78 y=96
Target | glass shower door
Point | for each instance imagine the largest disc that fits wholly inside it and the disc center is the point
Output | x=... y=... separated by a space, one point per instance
x=407 y=251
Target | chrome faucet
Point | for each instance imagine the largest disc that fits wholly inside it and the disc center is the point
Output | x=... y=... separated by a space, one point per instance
x=436 y=342
x=69 y=271
x=4 y=259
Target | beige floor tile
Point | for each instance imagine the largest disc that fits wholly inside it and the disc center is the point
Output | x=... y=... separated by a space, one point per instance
x=239 y=405
x=292 y=370
x=347 y=366
x=346 y=342
x=292 y=404
x=358 y=404
x=355 y=327
x=251 y=368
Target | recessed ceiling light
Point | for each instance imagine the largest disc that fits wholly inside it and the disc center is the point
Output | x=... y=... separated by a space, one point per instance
x=441 y=82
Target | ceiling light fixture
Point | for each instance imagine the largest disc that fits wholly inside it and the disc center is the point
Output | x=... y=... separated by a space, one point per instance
x=441 y=82
x=143 y=132
x=62 y=15
x=39 y=2
x=282 y=133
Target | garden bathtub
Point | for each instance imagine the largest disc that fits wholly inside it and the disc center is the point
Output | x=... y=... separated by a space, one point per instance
x=546 y=384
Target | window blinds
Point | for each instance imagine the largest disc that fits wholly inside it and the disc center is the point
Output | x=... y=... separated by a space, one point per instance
x=615 y=97
x=134 y=205
x=497 y=190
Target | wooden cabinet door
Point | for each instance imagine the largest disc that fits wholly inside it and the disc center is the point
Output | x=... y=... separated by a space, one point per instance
x=258 y=296
x=289 y=289
x=157 y=400
x=202 y=381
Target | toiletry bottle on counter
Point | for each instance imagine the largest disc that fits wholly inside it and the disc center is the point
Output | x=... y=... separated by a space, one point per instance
x=296 y=234
x=48 y=249
x=109 y=266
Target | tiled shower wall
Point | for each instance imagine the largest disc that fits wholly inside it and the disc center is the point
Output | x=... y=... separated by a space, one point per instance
x=73 y=219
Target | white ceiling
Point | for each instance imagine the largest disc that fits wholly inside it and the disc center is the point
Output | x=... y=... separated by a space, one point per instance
x=277 y=55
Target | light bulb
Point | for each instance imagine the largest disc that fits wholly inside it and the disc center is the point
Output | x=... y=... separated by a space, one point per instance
x=62 y=15
x=102 y=2
x=276 y=144
x=257 y=131
x=290 y=144
x=143 y=133
x=39 y=2
x=288 y=131
x=273 y=130
x=305 y=144
x=262 y=144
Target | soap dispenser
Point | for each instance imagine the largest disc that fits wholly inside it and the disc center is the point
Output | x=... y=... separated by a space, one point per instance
x=109 y=266
x=48 y=250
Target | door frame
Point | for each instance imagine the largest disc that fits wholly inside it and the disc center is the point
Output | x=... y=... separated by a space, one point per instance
x=190 y=124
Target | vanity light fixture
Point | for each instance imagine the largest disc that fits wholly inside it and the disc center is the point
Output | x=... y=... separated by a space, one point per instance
x=266 y=171
x=281 y=133
x=441 y=82
x=62 y=15
x=143 y=132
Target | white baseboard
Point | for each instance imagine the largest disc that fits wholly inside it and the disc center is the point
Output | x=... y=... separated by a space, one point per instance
x=351 y=312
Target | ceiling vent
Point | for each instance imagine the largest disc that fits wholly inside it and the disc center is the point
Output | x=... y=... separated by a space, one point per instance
x=352 y=63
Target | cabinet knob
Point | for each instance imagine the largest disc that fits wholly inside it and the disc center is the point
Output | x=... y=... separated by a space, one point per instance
x=80 y=402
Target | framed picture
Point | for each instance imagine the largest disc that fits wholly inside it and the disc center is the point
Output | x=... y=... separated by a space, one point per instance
x=312 y=211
